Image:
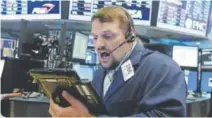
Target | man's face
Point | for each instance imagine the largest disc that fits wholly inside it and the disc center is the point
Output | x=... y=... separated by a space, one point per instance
x=107 y=36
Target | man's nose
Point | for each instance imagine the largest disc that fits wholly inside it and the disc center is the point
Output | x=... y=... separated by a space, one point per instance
x=100 y=43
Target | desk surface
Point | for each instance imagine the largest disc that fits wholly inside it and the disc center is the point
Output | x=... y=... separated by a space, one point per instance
x=198 y=99
x=40 y=99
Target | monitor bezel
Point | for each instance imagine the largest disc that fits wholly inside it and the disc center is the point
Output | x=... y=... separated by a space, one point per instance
x=182 y=66
x=73 y=59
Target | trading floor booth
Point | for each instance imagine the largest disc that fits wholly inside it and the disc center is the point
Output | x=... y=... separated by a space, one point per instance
x=156 y=19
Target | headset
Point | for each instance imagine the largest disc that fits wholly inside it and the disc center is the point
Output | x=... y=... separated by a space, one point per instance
x=129 y=35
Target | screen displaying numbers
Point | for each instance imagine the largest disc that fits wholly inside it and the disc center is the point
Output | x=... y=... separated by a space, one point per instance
x=209 y=28
x=30 y=9
x=187 y=16
x=80 y=10
x=140 y=10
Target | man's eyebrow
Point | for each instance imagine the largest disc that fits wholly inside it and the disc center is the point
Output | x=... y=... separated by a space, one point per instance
x=105 y=31
x=93 y=34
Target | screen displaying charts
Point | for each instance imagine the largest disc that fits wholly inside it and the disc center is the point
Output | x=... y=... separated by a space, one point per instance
x=30 y=9
x=191 y=79
x=206 y=57
x=140 y=10
x=185 y=56
x=209 y=28
x=206 y=81
x=80 y=10
x=189 y=16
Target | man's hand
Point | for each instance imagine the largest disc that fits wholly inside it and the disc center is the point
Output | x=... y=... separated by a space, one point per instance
x=9 y=95
x=75 y=110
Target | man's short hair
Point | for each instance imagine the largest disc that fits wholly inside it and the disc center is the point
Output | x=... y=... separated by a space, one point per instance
x=110 y=14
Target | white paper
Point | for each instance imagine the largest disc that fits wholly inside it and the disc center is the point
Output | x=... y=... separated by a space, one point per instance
x=1 y=67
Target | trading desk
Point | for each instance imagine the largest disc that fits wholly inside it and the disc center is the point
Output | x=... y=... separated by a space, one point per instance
x=29 y=107
x=199 y=107
x=38 y=107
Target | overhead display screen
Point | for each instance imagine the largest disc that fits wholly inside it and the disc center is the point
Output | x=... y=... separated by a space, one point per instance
x=80 y=10
x=185 y=56
x=209 y=28
x=185 y=16
x=140 y=10
x=207 y=57
x=30 y=9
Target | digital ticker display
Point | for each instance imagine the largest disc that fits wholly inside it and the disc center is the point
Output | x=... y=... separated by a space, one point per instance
x=13 y=7
x=140 y=10
x=30 y=9
x=209 y=28
x=187 y=16
x=206 y=57
x=80 y=10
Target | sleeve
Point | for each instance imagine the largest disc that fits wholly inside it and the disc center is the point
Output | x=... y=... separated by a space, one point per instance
x=164 y=90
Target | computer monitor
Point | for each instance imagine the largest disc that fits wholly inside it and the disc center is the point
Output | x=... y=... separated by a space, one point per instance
x=79 y=47
x=91 y=42
x=206 y=81
x=2 y=62
x=30 y=9
x=91 y=57
x=15 y=75
x=178 y=15
x=185 y=56
x=191 y=79
x=209 y=27
x=84 y=71
x=206 y=58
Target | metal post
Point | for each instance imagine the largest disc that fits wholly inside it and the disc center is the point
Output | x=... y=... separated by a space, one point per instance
x=62 y=40
x=22 y=36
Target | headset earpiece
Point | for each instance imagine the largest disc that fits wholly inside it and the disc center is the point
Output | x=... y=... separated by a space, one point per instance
x=129 y=35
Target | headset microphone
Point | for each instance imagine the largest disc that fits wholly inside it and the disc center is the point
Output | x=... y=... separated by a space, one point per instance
x=118 y=46
x=128 y=40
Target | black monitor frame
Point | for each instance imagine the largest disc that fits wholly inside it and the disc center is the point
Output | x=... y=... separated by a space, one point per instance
x=188 y=67
x=193 y=69
x=204 y=70
x=202 y=66
x=73 y=59
x=15 y=75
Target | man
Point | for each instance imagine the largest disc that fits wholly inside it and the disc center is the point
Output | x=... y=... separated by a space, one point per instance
x=132 y=80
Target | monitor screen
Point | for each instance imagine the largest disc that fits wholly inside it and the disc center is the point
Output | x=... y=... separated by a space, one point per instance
x=206 y=81
x=209 y=27
x=140 y=10
x=30 y=9
x=2 y=62
x=79 y=46
x=191 y=79
x=185 y=56
x=184 y=16
x=80 y=10
x=206 y=57
x=91 y=57
x=84 y=71
x=15 y=74
x=91 y=42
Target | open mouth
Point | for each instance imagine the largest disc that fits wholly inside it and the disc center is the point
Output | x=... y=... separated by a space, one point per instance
x=104 y=55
